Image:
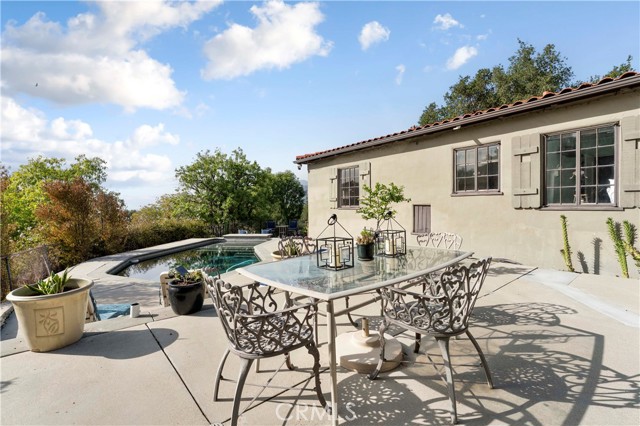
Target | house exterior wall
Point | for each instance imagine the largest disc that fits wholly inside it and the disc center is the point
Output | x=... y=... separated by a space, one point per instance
x=489 y=224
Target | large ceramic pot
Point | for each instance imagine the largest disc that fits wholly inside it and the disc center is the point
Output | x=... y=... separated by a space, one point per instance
x=184 y=298
x=366 y=251
x=52 y=321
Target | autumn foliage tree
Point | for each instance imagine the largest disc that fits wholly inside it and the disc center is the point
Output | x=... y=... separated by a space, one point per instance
x=79 y=222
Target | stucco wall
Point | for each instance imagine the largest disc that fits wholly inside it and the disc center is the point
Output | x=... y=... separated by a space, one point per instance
x=489 y=224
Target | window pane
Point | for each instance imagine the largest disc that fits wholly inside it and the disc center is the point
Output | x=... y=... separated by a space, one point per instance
x=493 y=168
x=588 y=139
x=553 y=178
x=460 y=157
x=471 y=156
x=568 y=195
x=568 y=177
x=553 y=195
x=589 y=176
x=588 y=194
x=568 y=159
x=482 y=155
x=470 y=184
x=605 y=136
x=470 y=170
x=460 y=185
x=605 y=175
x=606 y=194
x=553 y=160
x=493 y=152
x=605 y=155
x=493 y=182
x=588 y=157
x=568 y=141
x=482 y=169
x=483 y=183
x=553 y=143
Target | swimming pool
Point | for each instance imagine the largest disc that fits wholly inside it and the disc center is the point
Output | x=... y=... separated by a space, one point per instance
x=226 y=256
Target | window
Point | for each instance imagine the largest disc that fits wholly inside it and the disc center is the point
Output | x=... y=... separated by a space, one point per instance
x=580 y=162
x=477 y=169
x=348 y=187
x=421 y=219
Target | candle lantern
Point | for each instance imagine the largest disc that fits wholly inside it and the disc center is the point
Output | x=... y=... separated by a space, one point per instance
x=392 y=238
x=333 y=251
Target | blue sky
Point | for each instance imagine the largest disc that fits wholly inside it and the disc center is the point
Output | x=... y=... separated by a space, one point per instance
x=147 y=85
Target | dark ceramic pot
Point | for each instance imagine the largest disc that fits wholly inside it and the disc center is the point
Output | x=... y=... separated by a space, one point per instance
x=366 y=251
x=186 y=299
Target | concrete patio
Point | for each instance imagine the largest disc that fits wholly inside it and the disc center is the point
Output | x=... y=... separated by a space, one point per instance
x=563 y=349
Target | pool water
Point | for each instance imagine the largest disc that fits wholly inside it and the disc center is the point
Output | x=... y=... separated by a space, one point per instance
x=226 y=256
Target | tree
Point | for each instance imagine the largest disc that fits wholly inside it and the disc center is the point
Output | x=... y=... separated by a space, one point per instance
x=25 y=191
x=378 y=200
x=288 y=196
x=616 y=71
x=68 y=226
x=529 y=74
x=221 y=190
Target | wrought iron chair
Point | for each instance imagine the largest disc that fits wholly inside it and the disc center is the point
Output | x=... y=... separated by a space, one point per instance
x=441 y=312
x=447 y=240
x=258 y=326
x=293 y=246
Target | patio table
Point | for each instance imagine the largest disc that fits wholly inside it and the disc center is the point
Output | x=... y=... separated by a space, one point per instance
x=301 y=275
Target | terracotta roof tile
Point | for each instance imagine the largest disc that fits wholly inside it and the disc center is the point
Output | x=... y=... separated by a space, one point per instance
x=505 y=107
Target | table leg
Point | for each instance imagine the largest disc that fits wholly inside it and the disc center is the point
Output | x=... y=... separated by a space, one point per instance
x=331 y=338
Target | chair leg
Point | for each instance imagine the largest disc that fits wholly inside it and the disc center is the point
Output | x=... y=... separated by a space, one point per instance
x=313 y=350
x=219 y=374
x=381 y=330
x=443 y=342
x=287 y=359
x=416 y=347
x=242 y=376
x=482 y=359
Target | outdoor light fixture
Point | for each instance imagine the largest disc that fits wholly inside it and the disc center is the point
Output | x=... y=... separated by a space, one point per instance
x=391 y=242
x=334 y=252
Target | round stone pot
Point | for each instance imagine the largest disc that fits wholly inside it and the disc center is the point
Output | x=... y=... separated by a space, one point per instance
x=185 y=299
x=366 y=251
x=52 y=321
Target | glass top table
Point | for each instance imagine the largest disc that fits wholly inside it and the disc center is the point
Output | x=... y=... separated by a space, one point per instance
x=302 y=275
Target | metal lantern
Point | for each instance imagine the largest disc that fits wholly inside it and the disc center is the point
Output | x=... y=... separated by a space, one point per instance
x=334 y=252
x=392 y=238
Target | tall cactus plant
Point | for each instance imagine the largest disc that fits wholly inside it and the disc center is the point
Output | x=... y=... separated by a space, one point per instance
x=630 y=240
x=566 y=251
x=619 y=246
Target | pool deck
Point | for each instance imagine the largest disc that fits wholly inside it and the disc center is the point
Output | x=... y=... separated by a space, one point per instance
x=562 y=347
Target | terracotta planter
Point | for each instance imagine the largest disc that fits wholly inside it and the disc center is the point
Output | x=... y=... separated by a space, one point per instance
x=186 y=299
x=50 y=322
x=365 y=251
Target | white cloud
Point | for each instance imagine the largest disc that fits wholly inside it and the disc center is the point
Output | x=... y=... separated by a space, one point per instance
x=371 y=33
x=28 y=133
x=446 y=21
x=96 y=58
x=401 y=69
x=285 y=35
x=461 y=57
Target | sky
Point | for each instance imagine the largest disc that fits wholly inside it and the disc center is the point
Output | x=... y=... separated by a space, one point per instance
x=147 y=85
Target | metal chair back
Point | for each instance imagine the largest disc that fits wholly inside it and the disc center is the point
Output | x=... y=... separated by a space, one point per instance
x=446 y=240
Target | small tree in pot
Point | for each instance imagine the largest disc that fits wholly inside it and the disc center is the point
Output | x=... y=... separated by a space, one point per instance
x=376 y=204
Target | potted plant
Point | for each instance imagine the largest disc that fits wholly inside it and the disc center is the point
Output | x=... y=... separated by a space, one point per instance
x=365 y=244
x=185 y=290
x=51 y=313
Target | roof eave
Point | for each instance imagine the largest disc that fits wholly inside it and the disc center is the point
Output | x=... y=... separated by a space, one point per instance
x=512 y=110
